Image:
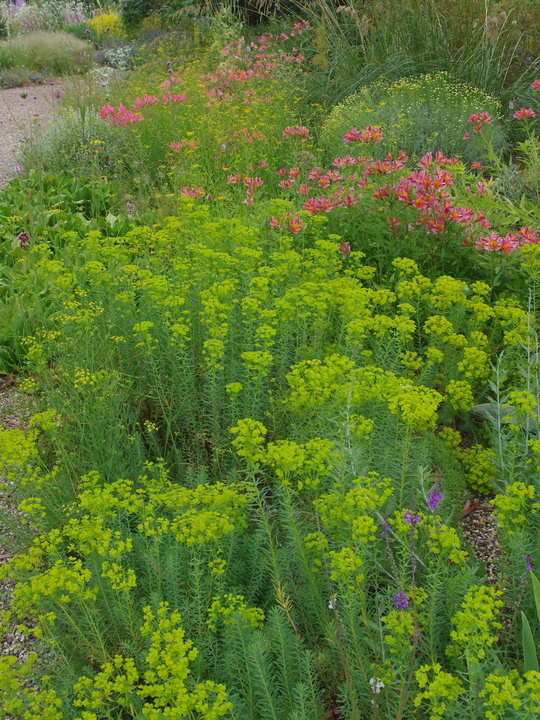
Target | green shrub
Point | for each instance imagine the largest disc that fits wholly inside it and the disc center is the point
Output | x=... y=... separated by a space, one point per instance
x=417 y=115
x=133 y=11
x=57 y=53
x=17 y=77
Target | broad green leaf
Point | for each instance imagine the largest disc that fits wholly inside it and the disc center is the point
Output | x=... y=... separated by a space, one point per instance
x=530 y=659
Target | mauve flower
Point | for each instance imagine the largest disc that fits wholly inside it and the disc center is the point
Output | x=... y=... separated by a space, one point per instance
x=345 y=248
x=434 y=499
x=528 y=565
x=401 y=601
x=411 y=519
x=87 y=31
x=536 y=85
x=23 y=239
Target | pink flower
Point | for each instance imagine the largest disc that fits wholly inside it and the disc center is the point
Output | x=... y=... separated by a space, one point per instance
x=351 y=136
x=105 y=111
x=345 y=160
x=483 y=117
x=325 y=205
x=286 y=184
x=426 y=160
x=481 y=188
x=333 y=175
x=528 y=236
x=311 y=206
x=536 y=85
x=523 y=113
x=192 y=192
x=253 y=182
x=295 y=131
x=296 y=224
x=463 y=215
x=466 y=136
x=368 y=134
x=345 y=249
x=482 y=220
x=476 y=166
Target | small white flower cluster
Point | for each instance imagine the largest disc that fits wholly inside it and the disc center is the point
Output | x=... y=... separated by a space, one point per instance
x=376 y=685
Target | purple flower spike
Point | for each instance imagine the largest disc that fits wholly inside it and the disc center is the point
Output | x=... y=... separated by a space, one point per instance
x=528 y=565
x=434 y=499
x=411 y=519
x=401 y=601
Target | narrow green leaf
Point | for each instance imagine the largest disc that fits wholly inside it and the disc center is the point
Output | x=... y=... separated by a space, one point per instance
x=536 y=590
x=530 y=659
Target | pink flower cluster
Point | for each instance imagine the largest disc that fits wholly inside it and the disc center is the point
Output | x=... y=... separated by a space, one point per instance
x=248 y=136
x=192 y=192
x=169 y=98
x=166 y=84
x=523 y=113
x=122 y=116
x=424 y=190
x=295 y=131
x=510 y=242
x=479 y=119
x=292 y=222
x=119 y=116
x=368 y=134
x=190 y=144
x=144 y=101
x=250 y=183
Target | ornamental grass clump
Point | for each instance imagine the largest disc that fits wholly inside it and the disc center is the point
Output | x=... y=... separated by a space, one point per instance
x=57 y=53
x=417 y=115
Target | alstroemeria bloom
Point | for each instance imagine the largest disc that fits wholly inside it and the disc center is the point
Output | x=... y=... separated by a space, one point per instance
x=295 y=131
x=479 y=120
x=523 y=113
x=536 y=85
x=368 y=134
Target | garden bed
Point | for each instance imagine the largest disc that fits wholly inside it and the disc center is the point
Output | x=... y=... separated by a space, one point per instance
x=283 y=453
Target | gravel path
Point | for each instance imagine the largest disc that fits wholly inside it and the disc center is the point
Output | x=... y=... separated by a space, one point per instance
x=21 y=110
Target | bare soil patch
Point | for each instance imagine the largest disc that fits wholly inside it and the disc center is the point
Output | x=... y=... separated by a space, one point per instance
x=22 y=111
